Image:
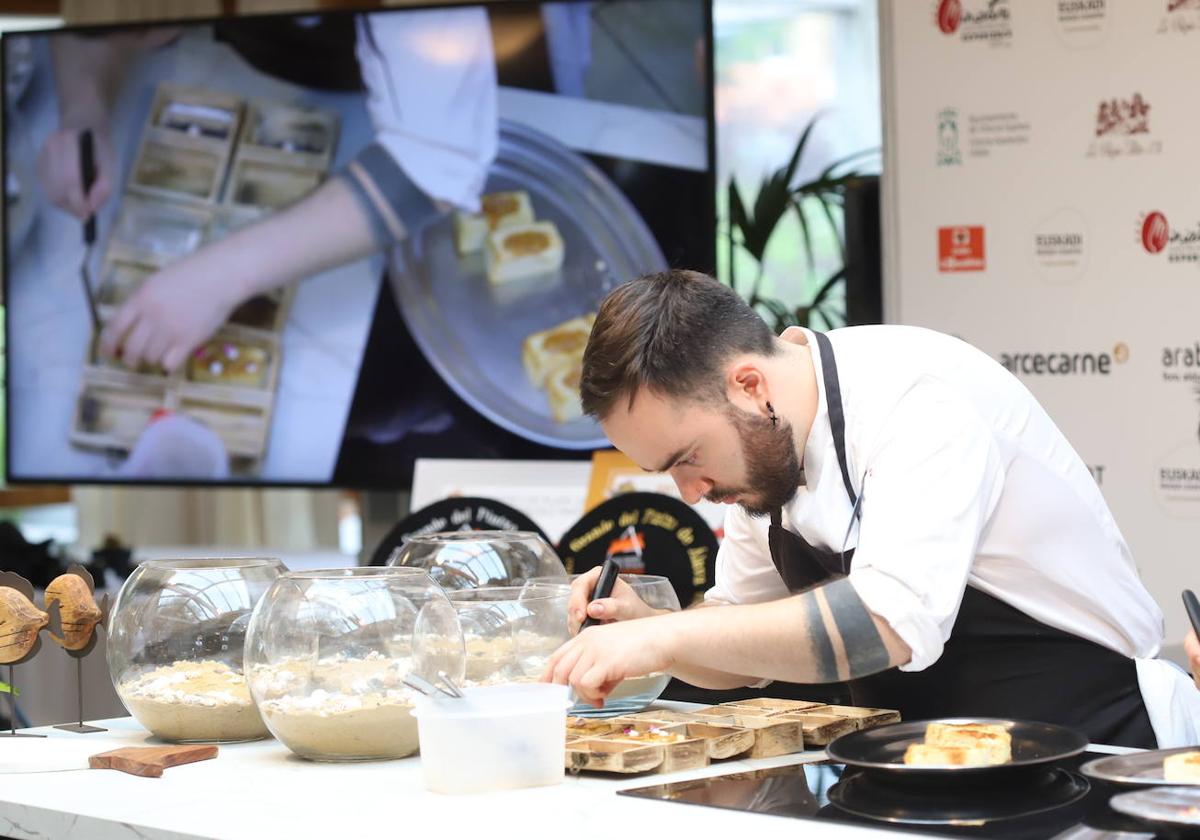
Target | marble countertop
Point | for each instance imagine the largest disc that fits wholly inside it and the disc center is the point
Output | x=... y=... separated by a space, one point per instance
x=261 y=790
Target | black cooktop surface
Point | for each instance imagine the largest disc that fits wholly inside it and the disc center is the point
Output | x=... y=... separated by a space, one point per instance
x=1051 y=802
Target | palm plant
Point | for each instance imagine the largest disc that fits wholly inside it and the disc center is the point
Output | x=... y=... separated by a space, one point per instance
x=818 y=201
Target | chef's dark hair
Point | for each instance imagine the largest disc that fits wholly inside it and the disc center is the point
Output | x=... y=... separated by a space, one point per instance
x=672 y=333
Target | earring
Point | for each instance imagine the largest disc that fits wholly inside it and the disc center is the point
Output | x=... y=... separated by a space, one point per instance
x=774 y=417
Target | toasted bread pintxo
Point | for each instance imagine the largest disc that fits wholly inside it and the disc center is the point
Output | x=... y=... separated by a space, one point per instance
x=928 y=755
x=561 y=346
x=520 y=251
x=992 y=738
x=1182 y=767
x=496 y=210
x=562 y=389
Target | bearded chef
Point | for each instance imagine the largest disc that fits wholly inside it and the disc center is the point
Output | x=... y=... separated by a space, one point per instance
x=904 y=516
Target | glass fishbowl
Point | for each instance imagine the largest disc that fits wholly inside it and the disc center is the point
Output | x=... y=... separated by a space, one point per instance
x=632 y=695
x=510 y=634
x=471 y=559
x=175 y=646
x=328 y=653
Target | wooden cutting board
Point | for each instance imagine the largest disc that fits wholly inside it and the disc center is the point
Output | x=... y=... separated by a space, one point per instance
x=151 y=761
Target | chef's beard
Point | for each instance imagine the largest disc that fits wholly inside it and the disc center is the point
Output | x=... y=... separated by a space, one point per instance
x=772 y=465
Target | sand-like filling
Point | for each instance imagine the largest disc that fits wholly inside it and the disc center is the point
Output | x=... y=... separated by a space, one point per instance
x=339 y=709
x=201 y=700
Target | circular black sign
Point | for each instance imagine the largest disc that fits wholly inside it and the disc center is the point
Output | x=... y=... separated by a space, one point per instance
x=674 y=541
x=463 y=513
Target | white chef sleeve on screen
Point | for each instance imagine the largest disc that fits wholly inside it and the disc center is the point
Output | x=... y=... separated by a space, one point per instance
x=934 y=477
x=744 y=571
x=431 y=95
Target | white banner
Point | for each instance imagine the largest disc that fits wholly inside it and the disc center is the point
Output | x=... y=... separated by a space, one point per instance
x=1042 y=202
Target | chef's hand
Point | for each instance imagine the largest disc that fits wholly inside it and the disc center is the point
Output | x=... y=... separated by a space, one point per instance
x=622 y=605
x=595 y=661
x=1192 y=645
x=61 y=176
x=174 y=311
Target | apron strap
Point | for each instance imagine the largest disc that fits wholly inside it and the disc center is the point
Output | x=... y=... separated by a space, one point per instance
x=837 y=418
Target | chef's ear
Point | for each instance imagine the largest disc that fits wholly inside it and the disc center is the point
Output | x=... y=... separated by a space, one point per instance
x=746 y=385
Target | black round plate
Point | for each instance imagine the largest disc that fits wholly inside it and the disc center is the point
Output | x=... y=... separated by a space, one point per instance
x=882 y=749
x=867 y=795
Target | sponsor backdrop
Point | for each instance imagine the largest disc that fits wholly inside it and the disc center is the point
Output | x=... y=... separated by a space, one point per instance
x=1043 y=203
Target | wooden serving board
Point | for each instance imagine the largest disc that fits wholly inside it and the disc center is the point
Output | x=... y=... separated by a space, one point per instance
x=150 y=761
x=822 y=723
x=177 y=199
x=758 y=728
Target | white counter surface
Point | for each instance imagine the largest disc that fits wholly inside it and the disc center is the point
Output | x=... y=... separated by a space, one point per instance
x=260 y=790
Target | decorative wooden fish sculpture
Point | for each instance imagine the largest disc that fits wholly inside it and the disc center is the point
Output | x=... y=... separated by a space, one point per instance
x=78 y=611
x=20 y=620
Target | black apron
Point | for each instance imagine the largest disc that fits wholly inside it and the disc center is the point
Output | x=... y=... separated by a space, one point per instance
x=998 y=662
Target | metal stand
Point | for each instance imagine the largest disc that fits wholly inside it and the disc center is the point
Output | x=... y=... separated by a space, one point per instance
x=81 y=728
x=12 y=712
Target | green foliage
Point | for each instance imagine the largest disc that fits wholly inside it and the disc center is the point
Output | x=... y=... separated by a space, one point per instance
x=813 y=203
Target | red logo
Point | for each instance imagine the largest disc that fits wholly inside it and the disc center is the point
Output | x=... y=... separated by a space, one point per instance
x=961 y=248
x=949 y=13
x=1123 y=116
x=1155 y=232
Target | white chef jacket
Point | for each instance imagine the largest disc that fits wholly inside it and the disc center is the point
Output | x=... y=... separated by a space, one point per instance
x=431 y=94
x=964 y=479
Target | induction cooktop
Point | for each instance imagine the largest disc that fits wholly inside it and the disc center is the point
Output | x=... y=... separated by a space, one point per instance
x=1053 y=802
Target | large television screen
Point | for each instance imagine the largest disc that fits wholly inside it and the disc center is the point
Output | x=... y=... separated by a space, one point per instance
x=309 y=249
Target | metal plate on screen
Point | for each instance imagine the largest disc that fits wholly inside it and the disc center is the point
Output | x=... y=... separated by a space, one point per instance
x=471 y=331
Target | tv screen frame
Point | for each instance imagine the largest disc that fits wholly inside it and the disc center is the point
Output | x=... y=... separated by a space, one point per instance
x=338 y=477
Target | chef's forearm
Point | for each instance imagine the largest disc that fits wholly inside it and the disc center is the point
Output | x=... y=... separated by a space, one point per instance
x=85 y=70
x=823 y=635
x=89 y=70
x=324 y=229
x=710 y=678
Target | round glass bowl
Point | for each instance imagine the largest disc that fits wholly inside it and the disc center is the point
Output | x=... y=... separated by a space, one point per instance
x=510 y=635
x=632 y=695
x=328 y=652
x=470 y=559
x=175 y=646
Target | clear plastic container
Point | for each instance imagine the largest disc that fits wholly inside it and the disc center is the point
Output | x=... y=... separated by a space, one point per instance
x=495 y=738
x=328 y=651
x=470 y=559
x=175 y=646
x=509 y=635
x=632 y=695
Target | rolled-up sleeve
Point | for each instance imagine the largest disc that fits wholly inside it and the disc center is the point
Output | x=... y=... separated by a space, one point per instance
x=394 y=205
x=934 y=478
